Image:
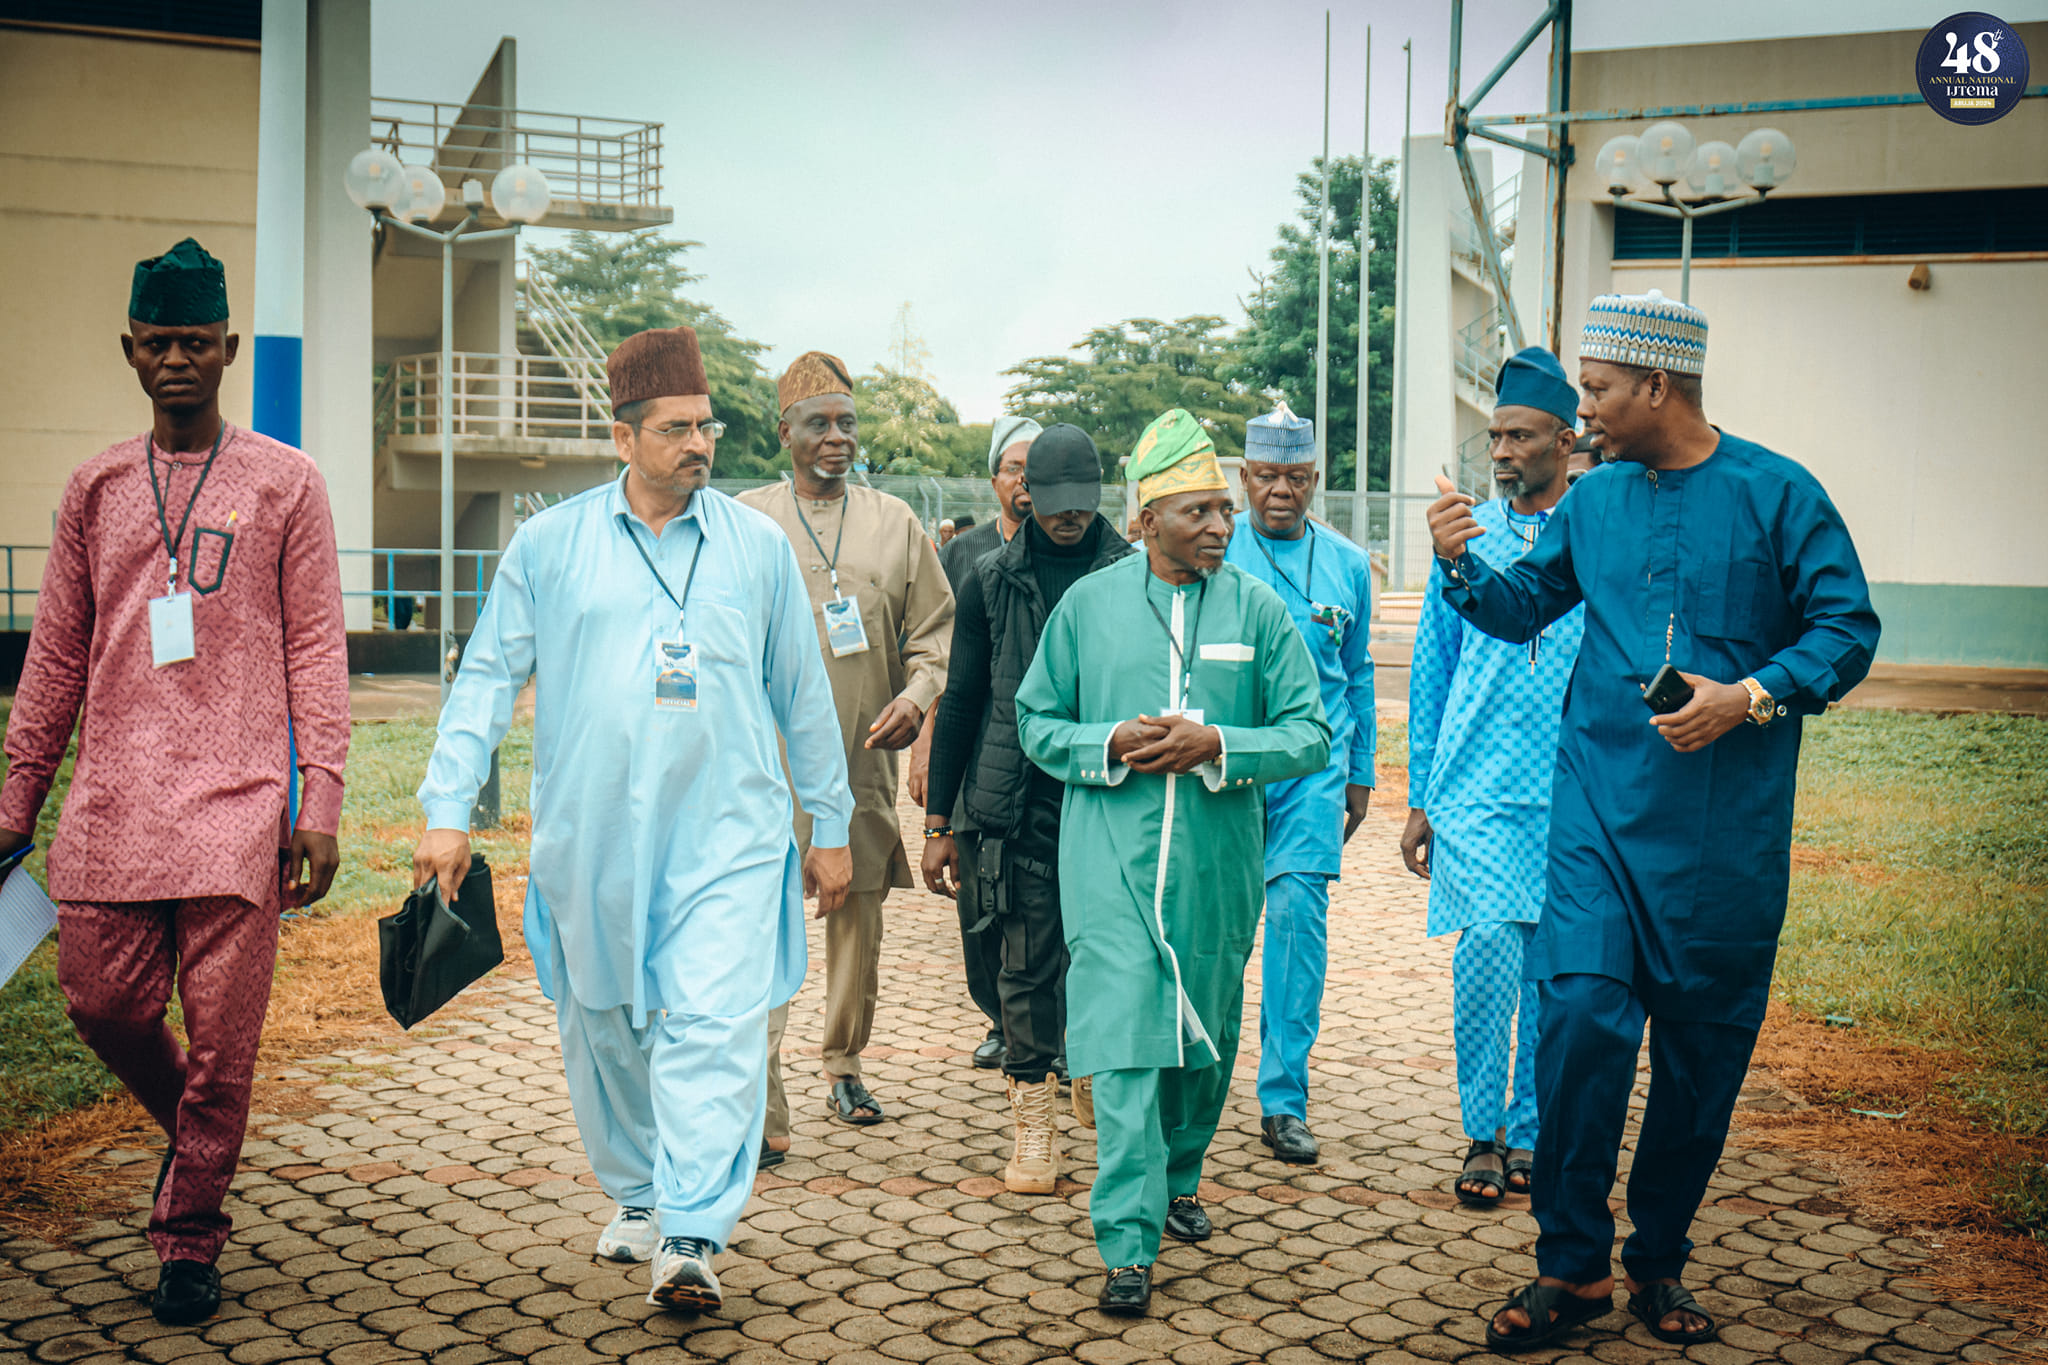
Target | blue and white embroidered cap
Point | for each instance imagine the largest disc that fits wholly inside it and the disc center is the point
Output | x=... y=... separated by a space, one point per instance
x=1279 y=437
x=1646 y=330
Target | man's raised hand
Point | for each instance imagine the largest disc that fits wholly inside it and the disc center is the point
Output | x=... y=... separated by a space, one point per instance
x=1450 y=520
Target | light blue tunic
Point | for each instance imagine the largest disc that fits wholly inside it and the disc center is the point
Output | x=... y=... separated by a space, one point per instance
x=1483 y=716
x=642 y=814
x=1305 y=816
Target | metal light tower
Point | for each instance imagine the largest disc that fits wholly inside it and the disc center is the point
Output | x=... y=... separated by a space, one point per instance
x=395 y=195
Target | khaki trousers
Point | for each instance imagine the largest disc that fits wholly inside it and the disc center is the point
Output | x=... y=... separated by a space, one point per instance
x=853 y=959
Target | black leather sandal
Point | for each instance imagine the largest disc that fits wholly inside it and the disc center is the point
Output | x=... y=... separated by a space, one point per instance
x=1496 y=1181
x=1552 y=1311
x=1655 y=1302
x=849 y=1097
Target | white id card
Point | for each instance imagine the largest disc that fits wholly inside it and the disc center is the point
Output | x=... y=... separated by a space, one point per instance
x=1193 y=713
x=675 y=676
x=844 y=630
x=170 y=629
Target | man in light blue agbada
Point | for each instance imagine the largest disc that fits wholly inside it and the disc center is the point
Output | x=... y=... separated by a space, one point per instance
x=1326 y=583
x=669 y=633
x=1482 y=745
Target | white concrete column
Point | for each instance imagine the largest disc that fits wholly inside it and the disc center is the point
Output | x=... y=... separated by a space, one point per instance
x=337 y=416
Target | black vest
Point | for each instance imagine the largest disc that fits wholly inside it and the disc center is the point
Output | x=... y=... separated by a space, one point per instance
x=1000 y=780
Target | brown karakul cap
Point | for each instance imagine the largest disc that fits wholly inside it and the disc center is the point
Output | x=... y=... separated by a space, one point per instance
x=662 y=362
x=809 y=375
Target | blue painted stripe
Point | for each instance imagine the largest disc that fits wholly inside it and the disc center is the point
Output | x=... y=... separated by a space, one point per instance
x=275 y=411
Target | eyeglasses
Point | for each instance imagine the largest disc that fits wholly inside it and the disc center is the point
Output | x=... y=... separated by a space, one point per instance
x=678 y=432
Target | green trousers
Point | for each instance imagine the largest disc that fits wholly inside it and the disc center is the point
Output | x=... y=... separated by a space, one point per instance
x=1152 y=1129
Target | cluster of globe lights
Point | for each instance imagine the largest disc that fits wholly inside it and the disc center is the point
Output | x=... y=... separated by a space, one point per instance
x=380 y=182
x=1665 y=154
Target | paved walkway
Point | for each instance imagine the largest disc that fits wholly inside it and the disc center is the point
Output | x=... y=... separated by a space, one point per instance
x=440 y=1208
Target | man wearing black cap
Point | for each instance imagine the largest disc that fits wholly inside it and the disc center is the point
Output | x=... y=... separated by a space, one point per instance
x=1015 y=805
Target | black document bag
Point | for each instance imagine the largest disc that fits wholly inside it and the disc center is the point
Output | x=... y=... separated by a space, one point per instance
x=428 y=950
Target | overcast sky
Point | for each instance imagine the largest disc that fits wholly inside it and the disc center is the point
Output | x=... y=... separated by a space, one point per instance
x=1018 y=174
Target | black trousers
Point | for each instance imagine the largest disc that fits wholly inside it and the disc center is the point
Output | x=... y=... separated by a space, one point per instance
x=981 y=945
x=1015 y=895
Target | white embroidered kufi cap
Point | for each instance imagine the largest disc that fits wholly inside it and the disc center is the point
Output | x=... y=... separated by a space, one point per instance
x=1646 y=330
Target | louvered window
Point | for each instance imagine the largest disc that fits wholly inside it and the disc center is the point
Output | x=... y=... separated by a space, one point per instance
x=1946 y=222
x=197 y=18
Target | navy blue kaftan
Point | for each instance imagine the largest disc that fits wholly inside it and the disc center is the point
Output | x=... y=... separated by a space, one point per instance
x=1667 y=870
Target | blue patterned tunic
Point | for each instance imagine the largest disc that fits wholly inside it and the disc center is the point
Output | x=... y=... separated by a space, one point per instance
x=1482 y=743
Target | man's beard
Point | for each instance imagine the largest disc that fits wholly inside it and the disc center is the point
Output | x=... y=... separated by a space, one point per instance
x=1209 y=571
x=1516 y=486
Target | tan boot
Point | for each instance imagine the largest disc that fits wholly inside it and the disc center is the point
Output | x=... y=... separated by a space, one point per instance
x=1084 y=1101
x=1035 y=1160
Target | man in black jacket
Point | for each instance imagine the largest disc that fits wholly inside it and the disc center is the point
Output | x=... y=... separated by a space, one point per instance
x=1013 y=805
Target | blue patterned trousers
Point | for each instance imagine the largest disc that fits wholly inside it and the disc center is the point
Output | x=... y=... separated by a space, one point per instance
x=1488 y=994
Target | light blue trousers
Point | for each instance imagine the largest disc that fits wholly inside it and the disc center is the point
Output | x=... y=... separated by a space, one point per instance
x=1293 y=963
x=670 y=1109
x=1490 y=1000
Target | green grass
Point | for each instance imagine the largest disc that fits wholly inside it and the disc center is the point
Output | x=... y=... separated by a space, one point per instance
x=45 y=1070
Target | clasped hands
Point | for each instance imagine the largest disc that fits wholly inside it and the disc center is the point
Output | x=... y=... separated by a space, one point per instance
x=1164 y=744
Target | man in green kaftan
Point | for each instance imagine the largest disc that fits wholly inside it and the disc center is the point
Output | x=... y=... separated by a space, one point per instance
x=1168 y=689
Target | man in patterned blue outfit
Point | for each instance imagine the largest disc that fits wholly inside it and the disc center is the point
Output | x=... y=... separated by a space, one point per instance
x=1482 y=744
x=1326 y=582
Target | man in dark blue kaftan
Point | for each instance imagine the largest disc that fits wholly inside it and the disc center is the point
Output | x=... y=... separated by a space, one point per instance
x=1670 y=835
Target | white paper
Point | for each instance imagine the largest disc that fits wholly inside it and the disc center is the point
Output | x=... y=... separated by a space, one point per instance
x=170 y=629
x=26 y=916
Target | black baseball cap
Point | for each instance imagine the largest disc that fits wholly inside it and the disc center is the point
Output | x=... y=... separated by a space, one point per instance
x=1063 y=471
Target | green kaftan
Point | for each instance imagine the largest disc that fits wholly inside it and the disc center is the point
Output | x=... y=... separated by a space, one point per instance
x=1162 y=877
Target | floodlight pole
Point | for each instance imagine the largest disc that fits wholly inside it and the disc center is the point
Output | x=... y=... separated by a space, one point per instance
x=1323 y=290
x=1360 y=480
x=1674 y=207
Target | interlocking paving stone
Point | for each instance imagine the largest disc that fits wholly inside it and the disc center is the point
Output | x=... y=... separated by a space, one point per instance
x=441 y=1209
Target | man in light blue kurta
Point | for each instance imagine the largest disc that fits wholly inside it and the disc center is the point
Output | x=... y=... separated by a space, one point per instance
x=664 y=910
x=1482 y=745
x=1326 y=583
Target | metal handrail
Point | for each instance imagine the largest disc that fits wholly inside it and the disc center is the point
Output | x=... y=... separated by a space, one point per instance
x=14 y=592
x=562 y=398
x=1479 y=351
x=552 y=317
x=391 y=592
x=1502 y=205
x=586 y=159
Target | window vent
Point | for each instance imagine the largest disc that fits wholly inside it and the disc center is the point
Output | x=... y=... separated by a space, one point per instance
x=1946 y=222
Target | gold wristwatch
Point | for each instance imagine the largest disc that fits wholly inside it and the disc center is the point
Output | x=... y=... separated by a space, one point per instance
x=1763 y=708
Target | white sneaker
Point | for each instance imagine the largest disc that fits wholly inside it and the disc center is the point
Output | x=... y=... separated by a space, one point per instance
x=683 y=1278
x=630 y=1236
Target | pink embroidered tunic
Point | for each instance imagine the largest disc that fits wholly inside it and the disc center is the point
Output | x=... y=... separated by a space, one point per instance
x=180 y=786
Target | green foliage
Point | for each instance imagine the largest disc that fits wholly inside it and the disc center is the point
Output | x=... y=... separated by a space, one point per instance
x=620 y=284
x=1131 y=371
x=904 y=424
x=1279 y=339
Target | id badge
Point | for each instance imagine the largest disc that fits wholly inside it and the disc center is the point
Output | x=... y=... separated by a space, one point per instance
x=675 y=676
x=1193 y=713
x=170 y=628
x=1334 y=617
x=844 y=630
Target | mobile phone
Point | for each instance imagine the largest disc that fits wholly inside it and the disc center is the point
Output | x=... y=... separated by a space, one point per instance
x=1667 y=691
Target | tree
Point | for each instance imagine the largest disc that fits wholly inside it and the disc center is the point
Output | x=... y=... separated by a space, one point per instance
x=1279 y=338
x=1130 y=373
x=900 y=416
x=619 y=284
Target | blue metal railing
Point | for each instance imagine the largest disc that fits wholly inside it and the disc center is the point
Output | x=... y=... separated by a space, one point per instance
x=391 y=592
x=16 y=620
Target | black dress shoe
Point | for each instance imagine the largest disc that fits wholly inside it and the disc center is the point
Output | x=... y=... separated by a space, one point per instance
x=1289 y=1138
x=1128 y=1292
x=186 y=1292
x=1186 y=1221
x=989 y=1056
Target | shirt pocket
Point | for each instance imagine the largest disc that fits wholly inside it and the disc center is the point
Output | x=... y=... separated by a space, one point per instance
x=1731 y=597
x=209 y=566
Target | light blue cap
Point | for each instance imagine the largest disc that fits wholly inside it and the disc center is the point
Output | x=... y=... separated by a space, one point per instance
x=1279 y=437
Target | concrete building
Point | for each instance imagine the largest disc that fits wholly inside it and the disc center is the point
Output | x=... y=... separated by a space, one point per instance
x=1882 y=319
x=340 y=319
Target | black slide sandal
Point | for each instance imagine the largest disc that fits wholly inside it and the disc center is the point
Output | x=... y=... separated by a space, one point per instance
x=849 y=1097
x=1552 y=1310
x=1655 y=1302
x=1497 y=1181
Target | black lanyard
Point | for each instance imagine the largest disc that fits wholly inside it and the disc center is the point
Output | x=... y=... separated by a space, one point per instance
x=688 y=578
x=1260 y=541
x=1187 y=668
x=832 y=564
x=163 y=520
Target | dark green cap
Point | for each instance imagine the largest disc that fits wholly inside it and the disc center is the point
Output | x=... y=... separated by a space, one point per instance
x=184 y=287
